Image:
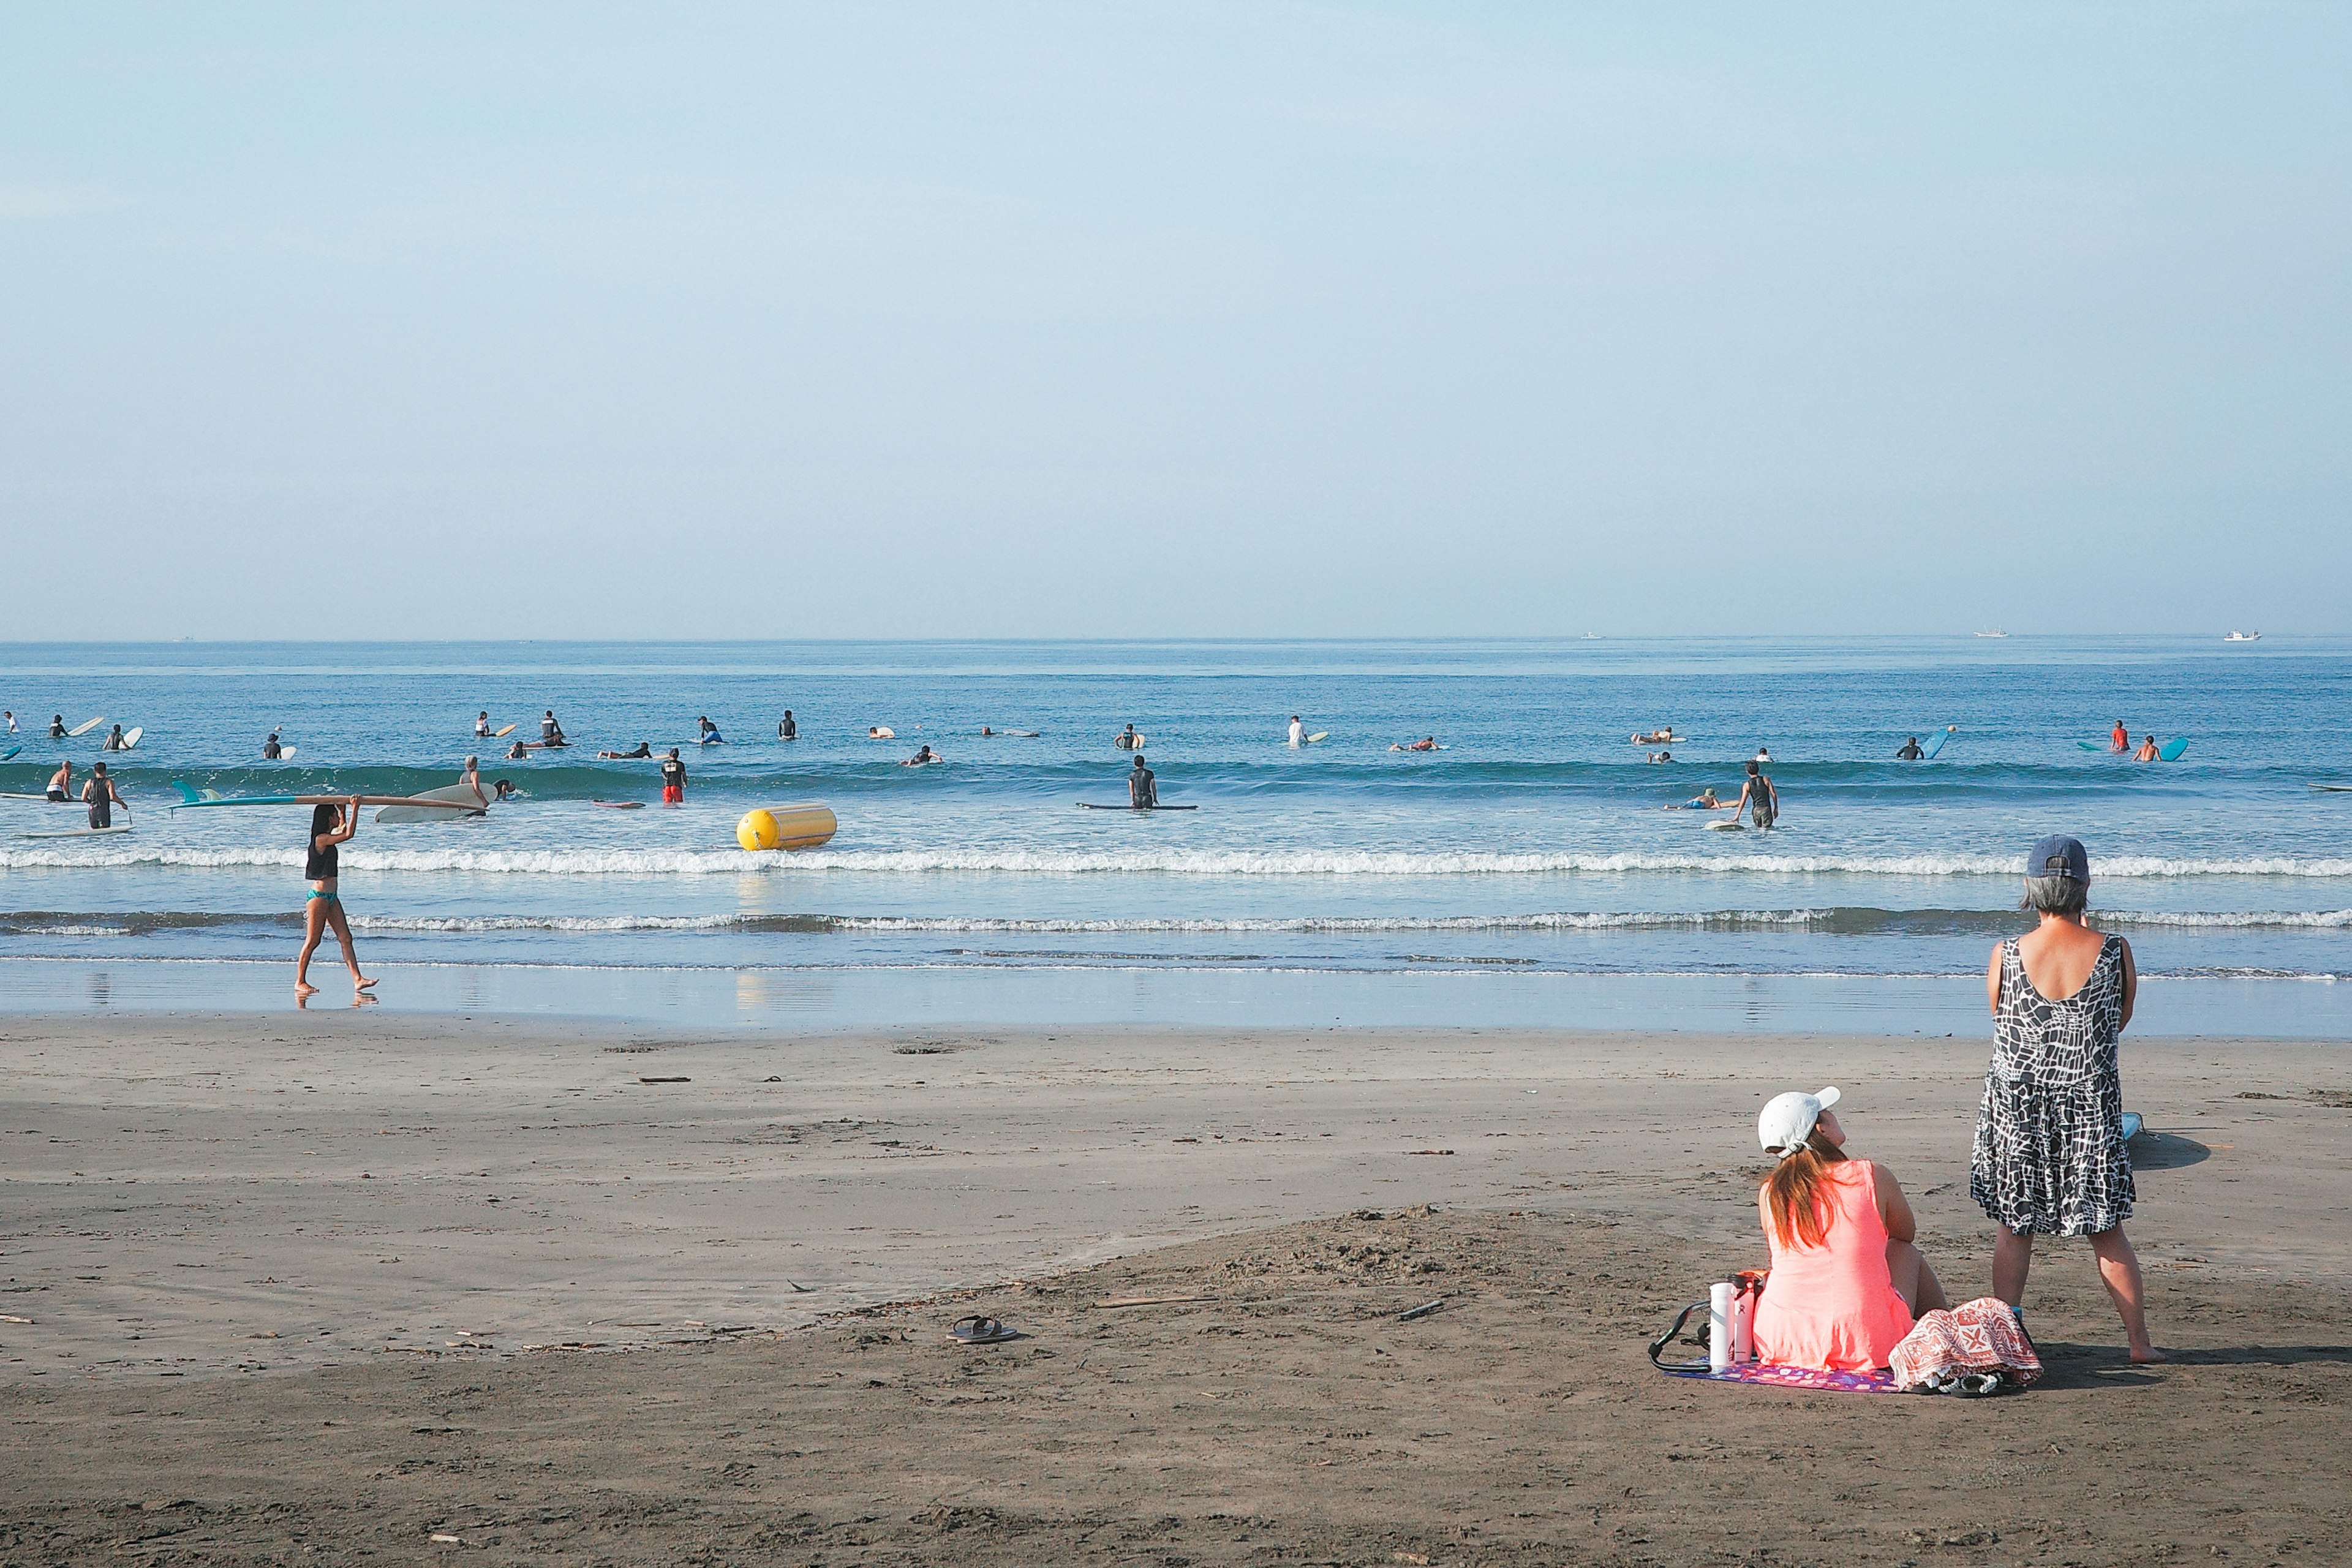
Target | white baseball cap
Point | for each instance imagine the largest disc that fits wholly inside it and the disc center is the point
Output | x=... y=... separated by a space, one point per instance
x=1787 y=1120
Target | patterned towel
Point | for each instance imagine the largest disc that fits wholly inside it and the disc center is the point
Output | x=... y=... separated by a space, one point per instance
x=1982 y=1335
x=1791 y=1377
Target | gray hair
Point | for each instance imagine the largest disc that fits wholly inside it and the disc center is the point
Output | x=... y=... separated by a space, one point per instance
x=2056 y=895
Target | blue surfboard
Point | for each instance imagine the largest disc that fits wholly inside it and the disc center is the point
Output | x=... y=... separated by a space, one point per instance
x=1935 y=743
x=2170 y=751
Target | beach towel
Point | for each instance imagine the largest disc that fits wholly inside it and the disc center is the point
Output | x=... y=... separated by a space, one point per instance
x=1985 y=1335
x=1763 y=1375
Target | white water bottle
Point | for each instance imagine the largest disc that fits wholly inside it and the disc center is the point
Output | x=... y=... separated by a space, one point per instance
x=1720 y=1300
x=1743 y=1328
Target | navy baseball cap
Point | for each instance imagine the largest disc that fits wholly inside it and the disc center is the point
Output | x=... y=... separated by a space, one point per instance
x=2059 y=855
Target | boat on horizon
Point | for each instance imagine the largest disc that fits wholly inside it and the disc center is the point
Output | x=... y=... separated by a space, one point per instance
x=1995 y=633
x=2244 y=637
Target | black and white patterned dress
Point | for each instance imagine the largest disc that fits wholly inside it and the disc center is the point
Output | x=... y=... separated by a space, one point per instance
x=2050 y=1135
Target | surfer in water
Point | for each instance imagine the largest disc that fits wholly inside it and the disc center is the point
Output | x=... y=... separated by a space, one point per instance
x=1660 y=756
x=330 y=825
x=1426 y=744
x=1910 y=752
x=1298 y=731
x=101 y=796
x=56 y=727
x=9 y=714
x=786 y=730
x=673 y=777
x=113 y=742
x=1128 y=741
x=1758 y=798
x=924 y=756
x=708 y=733
x=482 y=725
x=1704 y=801
x=61 y=788
x=2147 y=752
x=1142 y=786
x=270 y=749
x=550 y=734
x=519 y=752
x=643 y=751
x=2120 y=739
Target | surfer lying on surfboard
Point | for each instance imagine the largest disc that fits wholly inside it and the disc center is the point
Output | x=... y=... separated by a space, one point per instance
x=924 y=757
x=643 y=750
x=1426 y=744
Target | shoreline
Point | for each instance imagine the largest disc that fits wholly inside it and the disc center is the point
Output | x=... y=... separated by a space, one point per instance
x=837 y=999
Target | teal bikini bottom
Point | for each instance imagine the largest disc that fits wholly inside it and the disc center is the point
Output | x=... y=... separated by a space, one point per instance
x=322 y=894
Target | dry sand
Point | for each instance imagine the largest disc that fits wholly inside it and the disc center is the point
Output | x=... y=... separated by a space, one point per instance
x=277 y=1316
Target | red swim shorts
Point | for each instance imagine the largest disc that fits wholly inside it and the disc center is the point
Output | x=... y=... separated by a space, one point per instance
x=672 y=794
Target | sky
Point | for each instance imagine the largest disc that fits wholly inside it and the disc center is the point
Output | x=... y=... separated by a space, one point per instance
x=1185 y=320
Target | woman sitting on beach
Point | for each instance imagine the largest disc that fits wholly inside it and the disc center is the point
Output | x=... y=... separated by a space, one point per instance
x=1846 y=1278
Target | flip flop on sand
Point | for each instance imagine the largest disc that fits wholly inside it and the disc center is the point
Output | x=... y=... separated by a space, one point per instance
x=982 y=1329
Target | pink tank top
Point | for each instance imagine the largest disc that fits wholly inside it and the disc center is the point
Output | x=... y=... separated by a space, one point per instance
x=1833 y=1306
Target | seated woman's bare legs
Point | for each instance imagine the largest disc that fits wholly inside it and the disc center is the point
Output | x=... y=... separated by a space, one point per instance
x=1914 y=1281
x=2119 y=1272
x=2012 y=1256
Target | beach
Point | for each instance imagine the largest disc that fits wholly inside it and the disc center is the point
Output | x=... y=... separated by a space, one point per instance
x=345 y=1280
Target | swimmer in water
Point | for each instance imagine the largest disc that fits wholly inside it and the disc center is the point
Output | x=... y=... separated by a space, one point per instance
x=1910 y=752
x=923 y=757
x=1661 y=756
x=61 y=788
x=2120 y=740
x=2147 y=752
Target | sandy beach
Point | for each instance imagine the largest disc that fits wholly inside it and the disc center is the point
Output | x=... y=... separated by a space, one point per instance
x=303 y=1285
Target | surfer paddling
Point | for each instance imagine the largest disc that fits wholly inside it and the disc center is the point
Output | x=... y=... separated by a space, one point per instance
x=330 y=827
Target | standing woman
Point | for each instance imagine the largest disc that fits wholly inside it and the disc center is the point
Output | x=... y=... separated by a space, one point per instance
x=2050 y=1155
x=329 y=825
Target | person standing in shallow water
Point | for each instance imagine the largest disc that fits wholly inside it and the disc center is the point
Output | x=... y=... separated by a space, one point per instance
x=330 y=827
x=2050 y=1158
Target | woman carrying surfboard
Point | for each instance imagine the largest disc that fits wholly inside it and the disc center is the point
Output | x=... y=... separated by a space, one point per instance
x=330 y=827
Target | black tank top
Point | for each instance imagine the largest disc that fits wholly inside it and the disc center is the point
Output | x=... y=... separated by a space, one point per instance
x=318 y=866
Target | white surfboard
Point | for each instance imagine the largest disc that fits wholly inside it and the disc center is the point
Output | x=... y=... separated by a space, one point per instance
x=882 y=732
x=86 y=728
x=1727 y=827
x=463 y=803
x=12 y=795
x=1319 y=737
x=80 y=832
x=131 y=738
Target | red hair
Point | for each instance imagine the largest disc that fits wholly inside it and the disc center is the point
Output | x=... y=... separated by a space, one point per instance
x=1794 y=1192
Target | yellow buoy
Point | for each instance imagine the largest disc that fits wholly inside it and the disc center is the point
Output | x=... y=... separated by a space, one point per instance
x=802 y=827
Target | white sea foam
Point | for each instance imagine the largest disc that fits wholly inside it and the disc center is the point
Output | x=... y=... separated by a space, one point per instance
x=577 y=861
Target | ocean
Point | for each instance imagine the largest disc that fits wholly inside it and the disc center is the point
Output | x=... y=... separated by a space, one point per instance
x=1527 y=874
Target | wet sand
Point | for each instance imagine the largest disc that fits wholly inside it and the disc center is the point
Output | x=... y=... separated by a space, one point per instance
x=283 y=1276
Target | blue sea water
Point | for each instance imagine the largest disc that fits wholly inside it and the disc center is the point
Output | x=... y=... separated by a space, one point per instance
x=1528 y=873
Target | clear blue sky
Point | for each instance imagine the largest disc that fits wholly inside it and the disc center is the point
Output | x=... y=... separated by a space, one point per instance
x=1191 y=320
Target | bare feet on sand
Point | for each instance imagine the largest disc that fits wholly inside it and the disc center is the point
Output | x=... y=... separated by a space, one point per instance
x=2147 y=1355
x=304 y=988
